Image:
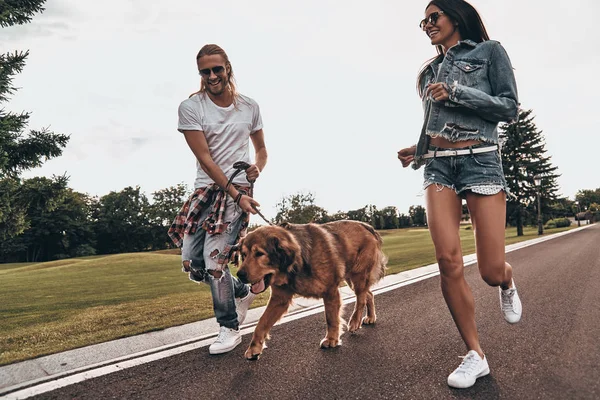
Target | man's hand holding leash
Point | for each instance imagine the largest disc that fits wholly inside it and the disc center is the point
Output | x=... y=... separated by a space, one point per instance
x=248 y=204
x=252 y=173
x=245 y=202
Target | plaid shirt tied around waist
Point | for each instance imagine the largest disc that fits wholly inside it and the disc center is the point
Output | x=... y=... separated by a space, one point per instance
x=188 y=221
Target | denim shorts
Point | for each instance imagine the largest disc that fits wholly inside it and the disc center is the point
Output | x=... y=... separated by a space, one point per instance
x=479 y=173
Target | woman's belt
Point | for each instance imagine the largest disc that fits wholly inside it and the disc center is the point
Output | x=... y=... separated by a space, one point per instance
x=460 y=152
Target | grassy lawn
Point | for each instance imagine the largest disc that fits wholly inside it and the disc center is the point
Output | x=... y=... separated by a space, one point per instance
x=60 y=305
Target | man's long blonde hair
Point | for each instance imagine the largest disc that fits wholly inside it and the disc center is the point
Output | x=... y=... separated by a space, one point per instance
x=212 y=49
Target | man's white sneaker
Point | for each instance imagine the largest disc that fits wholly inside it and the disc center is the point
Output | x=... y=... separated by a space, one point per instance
x=471 y=368
x=510 y=304
x=227 y=340
x=242 y=305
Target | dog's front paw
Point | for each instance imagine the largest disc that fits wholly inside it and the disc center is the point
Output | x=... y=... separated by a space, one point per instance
x=328 y=343
x=254 y=351
x=251 y=356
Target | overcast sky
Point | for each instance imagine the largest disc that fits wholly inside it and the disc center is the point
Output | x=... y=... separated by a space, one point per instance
x=335 y=82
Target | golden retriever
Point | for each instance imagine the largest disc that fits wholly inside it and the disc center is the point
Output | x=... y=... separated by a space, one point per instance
x=312 y=261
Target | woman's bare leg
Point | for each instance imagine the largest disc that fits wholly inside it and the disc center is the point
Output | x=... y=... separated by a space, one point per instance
x=488 y=214
x=444 y=211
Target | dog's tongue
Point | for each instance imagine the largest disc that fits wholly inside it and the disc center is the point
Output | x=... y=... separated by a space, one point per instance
x=258 y=287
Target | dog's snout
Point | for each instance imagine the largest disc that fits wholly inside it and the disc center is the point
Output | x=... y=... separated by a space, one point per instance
x=243 y=276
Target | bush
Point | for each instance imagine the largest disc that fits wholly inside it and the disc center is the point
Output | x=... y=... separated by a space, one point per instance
x=558 y=223
x=83 y=250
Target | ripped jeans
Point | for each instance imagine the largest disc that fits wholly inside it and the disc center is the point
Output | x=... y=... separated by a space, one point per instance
x=205 y=253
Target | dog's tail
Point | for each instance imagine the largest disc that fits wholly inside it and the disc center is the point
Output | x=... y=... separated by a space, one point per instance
x=380 y=258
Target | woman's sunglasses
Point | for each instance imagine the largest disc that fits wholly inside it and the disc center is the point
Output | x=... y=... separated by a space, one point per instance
x=216 y=70
x=432 y=19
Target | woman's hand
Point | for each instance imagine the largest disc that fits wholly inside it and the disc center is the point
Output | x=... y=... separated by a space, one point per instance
x=438 y=91
x=407 y=155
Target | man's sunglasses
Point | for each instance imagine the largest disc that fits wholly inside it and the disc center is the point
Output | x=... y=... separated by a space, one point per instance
x=216 y=70
x=432 y=19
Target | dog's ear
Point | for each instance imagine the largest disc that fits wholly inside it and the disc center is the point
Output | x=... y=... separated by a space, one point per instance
x=280 y=253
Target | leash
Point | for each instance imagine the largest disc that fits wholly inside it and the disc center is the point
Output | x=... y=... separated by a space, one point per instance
x=239 y=167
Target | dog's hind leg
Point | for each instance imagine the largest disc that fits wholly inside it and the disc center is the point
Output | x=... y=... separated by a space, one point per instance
x=362 y=298
x=350 y=283
x=333 y=306
x=371 y=316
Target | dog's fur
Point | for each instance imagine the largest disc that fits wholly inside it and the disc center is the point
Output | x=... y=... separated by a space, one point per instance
x=312 y=261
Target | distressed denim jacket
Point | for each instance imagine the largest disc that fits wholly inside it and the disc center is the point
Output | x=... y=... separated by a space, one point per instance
x=482 y=93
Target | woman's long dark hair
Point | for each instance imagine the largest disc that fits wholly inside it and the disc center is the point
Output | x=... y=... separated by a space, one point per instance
x=470 y=26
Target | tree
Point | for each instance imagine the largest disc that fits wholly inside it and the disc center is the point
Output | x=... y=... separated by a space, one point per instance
x=58 y=221
x=417 y=215
x=338 y=216
x=389 y=218
x=12 y=210
x=562 y=208
x=19 y=12
x=587 y=197
x=300 y=208
x=403 y=221
x=19 y=152
x=594 y=210
x=465 y=212
x=523 y=158
x=121 y=222
x=166 y=203
x=361 y=214
x=165 y=206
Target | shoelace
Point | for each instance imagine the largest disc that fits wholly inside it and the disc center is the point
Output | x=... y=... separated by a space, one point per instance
x=507 y=300
x=223 y=333
x=468 y=364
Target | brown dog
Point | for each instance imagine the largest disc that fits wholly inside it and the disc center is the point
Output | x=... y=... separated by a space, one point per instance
x=312 y=261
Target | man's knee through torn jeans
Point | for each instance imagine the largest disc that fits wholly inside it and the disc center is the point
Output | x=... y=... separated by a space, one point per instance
x=205 y=258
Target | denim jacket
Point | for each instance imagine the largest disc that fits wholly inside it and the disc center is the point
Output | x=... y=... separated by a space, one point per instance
x=482 y=93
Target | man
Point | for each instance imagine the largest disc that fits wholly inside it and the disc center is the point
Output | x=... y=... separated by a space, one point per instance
x=217 y=123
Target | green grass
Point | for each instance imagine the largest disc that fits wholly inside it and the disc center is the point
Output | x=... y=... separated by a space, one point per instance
x=60 y=305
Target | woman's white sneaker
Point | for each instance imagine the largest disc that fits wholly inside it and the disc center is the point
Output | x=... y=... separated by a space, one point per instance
x=471 y=368
x=510 y=304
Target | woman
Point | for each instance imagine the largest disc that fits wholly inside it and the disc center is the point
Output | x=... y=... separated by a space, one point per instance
x=466 y=91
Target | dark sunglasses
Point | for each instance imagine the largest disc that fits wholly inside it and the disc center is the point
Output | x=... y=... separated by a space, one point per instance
x=216 y=70
x=432 y=19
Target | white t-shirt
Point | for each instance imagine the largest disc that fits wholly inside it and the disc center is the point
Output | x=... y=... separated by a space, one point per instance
x=227 y=131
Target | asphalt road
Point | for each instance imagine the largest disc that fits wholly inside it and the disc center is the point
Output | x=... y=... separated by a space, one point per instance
x=553 y=353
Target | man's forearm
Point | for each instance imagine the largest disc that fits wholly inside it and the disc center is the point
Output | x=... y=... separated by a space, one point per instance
x=217 y=175
x=261 y=158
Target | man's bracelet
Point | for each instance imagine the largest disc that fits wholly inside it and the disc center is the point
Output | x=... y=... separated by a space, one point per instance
x=238 y=198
